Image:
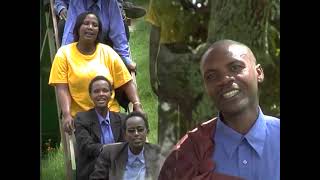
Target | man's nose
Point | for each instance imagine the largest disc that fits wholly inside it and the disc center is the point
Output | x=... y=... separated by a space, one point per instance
x=226 y=79
x=101 y=93
x=136 y=132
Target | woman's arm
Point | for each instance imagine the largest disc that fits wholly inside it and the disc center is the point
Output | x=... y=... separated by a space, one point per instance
x=131 y=91
x=64 y=99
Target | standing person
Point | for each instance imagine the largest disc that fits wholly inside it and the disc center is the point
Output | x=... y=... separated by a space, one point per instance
x=241 y=142
x=113 y=30
x=176 y=32
x=76 y=64
x=96 y=127
x=127 y=9
x=61 y=9
x=134 y=159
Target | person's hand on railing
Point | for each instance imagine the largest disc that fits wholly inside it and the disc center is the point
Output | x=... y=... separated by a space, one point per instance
x=132 y=67
x=68 y=124
x=63 y=14
x=138 y=107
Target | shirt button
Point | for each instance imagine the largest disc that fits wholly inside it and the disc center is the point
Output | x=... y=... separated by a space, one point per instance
x=244 y=161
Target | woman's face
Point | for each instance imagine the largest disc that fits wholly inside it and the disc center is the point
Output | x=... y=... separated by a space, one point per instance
x=100 y=94
x=89 y=29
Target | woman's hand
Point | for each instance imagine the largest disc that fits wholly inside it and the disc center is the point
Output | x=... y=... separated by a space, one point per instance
x=63 y=14
x=68 y=124
x=132 y=67
x=64 y=99
x=137 y=107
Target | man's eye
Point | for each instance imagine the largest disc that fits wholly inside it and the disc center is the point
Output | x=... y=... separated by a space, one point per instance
x=211 y=76
x=236 y=68
x=140 y=130
x=131 y=130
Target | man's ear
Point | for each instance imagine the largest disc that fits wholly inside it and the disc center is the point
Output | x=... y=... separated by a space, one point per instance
x=260 y=74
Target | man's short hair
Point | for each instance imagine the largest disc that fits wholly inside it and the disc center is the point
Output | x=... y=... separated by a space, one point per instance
x=136 y=114
x=97 y=78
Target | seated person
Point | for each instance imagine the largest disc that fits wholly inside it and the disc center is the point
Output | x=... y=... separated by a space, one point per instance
x=96 y=127
x=134 y=159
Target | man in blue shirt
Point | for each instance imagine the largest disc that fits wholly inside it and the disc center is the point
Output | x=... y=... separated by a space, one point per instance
x=96 y=127
x=241 y=142
x=127 y=9
x=112 y=24
x=133 y=160
x=61 y=8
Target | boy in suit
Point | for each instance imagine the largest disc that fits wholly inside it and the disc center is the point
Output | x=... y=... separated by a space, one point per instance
x=134 y=159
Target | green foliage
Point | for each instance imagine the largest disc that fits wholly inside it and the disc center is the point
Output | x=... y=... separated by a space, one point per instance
x=256 y=24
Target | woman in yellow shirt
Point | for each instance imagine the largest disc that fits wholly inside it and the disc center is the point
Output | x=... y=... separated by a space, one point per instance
x=76 y=64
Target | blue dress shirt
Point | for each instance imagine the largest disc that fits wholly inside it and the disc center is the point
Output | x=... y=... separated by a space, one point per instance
x=254 y=156
x=135 y=168
x=107 y=135
x=60 y=4
x=111 y=19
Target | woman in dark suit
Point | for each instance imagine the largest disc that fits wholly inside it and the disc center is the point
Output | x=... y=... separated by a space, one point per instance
x=96 y=127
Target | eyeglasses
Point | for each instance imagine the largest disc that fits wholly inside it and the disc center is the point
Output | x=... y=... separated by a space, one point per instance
x=134 y=130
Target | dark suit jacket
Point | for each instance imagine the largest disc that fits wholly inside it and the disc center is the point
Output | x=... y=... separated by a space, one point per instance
x=88 y=134
x=112 y=161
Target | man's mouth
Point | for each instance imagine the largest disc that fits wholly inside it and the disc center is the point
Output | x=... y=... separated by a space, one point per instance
x=230 y=94
x=137 y=140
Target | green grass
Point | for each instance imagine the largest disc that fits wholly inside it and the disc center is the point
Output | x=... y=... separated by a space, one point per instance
x=52 y=165
x=139 y=44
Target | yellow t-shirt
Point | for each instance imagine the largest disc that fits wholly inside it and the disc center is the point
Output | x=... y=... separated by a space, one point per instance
x=77 y=70
x=177 y=25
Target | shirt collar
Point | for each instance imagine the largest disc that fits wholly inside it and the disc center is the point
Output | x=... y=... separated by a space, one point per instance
x=257 y=134
x=100 y=118
x=232 y=139
x=132 y=157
